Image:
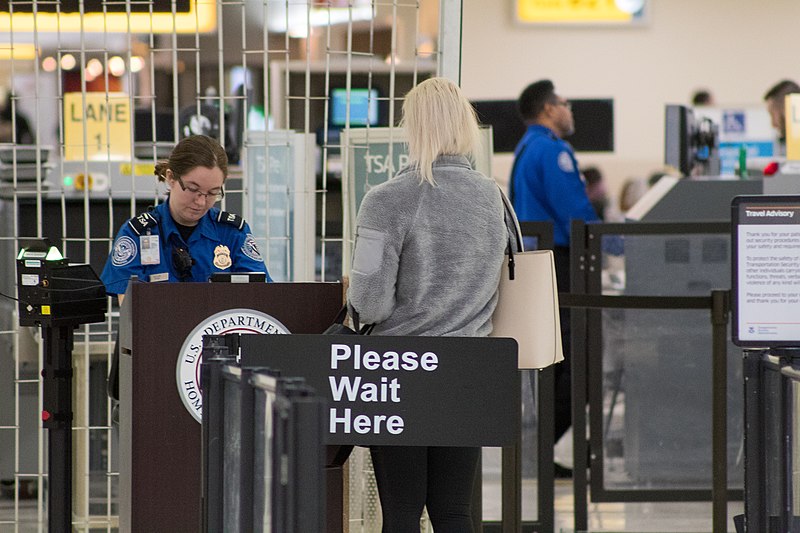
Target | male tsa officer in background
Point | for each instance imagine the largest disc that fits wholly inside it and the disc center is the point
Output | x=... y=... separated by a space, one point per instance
x=185 y=238
x=546 y=185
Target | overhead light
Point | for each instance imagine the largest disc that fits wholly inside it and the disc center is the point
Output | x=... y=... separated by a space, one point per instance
x=137 y=64
x=68 y=62
x=116 y=66
x=94 y=68
x=630 y=6
x=49 y=64
x=296 y=18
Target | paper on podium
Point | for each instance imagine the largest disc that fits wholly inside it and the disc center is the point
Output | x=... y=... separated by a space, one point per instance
x=527 y=309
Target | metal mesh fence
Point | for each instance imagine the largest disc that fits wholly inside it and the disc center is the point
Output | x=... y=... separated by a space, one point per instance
x=96 y=92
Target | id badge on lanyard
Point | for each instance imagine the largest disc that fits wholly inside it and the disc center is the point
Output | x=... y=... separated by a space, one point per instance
x=150 y=250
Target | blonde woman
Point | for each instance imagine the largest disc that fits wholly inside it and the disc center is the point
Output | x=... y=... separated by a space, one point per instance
x=429 y=248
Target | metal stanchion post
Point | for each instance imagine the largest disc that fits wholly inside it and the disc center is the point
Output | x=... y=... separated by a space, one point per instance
x=719 y=422
x=57 y=419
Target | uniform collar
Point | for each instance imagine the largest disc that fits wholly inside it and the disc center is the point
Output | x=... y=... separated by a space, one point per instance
x=538 y=129
x=205 y=226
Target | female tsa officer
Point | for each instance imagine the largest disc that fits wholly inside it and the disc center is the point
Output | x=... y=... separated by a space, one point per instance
x=185 y=238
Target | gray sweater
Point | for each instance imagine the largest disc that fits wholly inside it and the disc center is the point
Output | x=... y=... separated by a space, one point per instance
x=427 y=259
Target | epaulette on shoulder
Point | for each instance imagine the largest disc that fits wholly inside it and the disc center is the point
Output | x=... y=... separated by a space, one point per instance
x=231 y=218
x=141 y=222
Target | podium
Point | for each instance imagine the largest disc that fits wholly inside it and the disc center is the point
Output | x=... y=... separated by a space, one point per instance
x=160 y=436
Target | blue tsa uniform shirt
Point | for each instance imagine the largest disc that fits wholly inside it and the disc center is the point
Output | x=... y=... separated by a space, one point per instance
x=546 y=184
x=146 y=246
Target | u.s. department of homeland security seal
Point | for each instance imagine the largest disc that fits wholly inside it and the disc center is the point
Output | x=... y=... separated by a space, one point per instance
x=565 y=162
x=187 y=370
x=250 y=248
x=124 y=251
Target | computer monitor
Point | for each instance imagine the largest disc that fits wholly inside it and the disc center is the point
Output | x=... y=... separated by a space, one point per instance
x=238 y=277
x=691 y=145
x=146 y=137
x=594 y=124
x=164 y=128
x=503 y=116
x=363 y=107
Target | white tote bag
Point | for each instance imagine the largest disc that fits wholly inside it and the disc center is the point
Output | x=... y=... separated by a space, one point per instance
x=527 y=309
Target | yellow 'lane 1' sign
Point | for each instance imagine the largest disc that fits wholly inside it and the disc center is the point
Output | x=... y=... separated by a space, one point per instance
x=107 y=122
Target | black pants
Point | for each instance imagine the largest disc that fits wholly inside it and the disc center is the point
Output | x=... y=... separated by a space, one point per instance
x=411 y=477
x=563 y=370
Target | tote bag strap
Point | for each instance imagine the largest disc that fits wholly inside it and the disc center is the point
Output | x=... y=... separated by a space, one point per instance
x=366 y=329
x=512 y=225
x=509 y=214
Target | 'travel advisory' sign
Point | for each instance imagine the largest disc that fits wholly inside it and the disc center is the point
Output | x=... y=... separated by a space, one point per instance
x=766 y=267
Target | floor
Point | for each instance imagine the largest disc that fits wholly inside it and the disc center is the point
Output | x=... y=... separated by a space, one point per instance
x=603 y=517
x=686 y=517
x=649 y=517
x=681 y=517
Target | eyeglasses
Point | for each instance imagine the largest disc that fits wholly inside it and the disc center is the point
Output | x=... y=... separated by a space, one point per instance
x=565 y=103
x=215 y=196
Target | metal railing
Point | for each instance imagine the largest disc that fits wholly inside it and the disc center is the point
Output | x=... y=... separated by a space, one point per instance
x=542 y=385
x=682 y=251
x=772 y=404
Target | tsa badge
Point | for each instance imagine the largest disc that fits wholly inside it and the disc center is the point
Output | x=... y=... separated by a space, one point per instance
x=222 y=257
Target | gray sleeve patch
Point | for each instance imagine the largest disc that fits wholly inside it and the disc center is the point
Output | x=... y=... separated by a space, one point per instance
x=368 y=253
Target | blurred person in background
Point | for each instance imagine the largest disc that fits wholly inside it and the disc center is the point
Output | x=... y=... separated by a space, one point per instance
x=703 y=98
x=596 y=190
x=775 y=99
x=14 y=127
x=546 y=186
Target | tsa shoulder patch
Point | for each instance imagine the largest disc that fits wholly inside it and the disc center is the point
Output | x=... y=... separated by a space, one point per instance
x=250 y=248
x=231 y=218
x=141 y=222
x=124 y=251
x=565 y=162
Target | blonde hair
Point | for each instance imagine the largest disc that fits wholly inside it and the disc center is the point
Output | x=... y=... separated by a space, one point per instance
x=438 y=120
